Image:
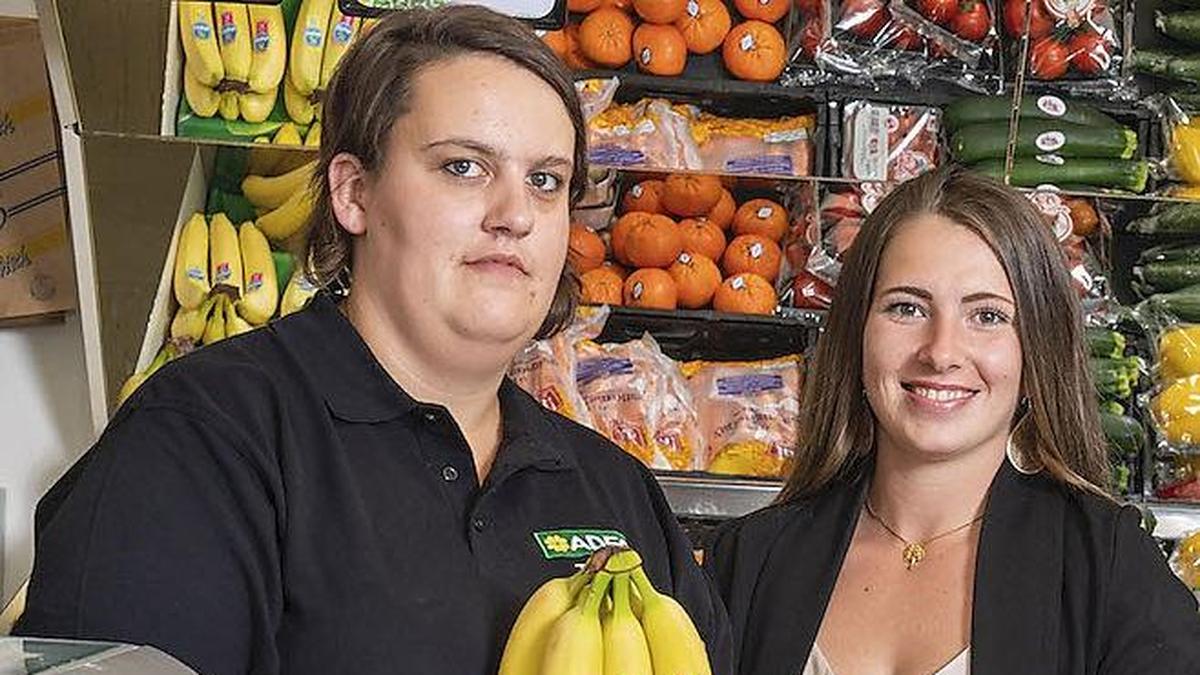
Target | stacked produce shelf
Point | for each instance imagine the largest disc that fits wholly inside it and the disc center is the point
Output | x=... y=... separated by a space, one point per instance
x=841 y=63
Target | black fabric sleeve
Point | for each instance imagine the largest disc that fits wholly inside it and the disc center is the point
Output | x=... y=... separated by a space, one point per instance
x=692 y=588
x=164 y=534
x=1151 y=623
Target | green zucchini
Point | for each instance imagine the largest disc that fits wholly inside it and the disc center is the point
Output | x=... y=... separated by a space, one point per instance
x=1123 y=174
x=983 y=109
x=1173 y=218
x=1034 y=137
x=1182 y=26
x=1112 y=378
x=1167 y=63
x=1123 y=433
x=1165 y=277
x=1171 y=253
x=1104 y=343
x=1183 y=304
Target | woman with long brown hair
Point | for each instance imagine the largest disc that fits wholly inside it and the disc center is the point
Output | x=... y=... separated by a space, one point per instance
x=945 y=514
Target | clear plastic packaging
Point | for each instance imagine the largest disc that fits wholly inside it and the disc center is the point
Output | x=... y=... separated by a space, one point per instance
x=1173 y=403
x=748 y=414
x=1075 y=44
x=882 y=142
x=948 y=40
x=781 y=146
x=546 y=369
x=639 y=400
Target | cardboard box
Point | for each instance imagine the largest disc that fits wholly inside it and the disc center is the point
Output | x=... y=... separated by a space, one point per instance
x=36 y=272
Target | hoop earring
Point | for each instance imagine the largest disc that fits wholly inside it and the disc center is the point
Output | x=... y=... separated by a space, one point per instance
x=1010 y=449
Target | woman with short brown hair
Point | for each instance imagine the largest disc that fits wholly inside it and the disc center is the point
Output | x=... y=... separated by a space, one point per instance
x=357 y=487
x=945 y=514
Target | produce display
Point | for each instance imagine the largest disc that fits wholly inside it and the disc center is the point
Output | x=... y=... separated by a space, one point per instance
x=1075 y=40
x=723 y=417
x=606 y=618
x=660 y=36
x=1185 y=560
x=950 y=40
x=1059 y=142
x=226 y=277
x=658 y=134
x=684 y=242
x=244 y=79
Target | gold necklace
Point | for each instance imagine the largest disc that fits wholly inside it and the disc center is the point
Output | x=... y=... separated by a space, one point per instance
x=914 y=551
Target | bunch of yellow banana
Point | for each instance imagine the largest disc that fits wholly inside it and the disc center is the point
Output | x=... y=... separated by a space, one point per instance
x=237 y=261
x=607 y=619
x=284 y=202
x=235 y=57
x=321 y=37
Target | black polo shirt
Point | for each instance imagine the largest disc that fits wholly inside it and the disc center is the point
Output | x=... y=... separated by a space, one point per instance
x=276 y=504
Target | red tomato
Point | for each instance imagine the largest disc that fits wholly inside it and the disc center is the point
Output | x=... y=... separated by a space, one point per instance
x=972 y=22
x=808 y=7
x=1040 y=21
x=1049 y=59
x=940 y=12
x=1089 y=52
x=864 y=18
x=907 y=39
x=810 y=37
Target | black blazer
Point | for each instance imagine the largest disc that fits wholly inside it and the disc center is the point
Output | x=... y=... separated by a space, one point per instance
x=1065 y=583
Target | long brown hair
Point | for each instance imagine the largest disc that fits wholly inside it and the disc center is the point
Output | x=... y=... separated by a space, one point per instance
x=372 y=88
x=1061 y=433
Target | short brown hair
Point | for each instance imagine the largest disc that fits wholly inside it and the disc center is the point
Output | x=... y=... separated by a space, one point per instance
x=372 y=88
x=1062 y=433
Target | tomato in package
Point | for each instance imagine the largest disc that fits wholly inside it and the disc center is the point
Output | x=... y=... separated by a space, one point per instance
x=950 y=40
x=1070 y=39
x=638 y=399
x=883 y=142
x=749 y=414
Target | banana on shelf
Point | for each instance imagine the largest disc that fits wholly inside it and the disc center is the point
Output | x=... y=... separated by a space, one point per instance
x=235 y=57
x=320 y=39
x=606 y=618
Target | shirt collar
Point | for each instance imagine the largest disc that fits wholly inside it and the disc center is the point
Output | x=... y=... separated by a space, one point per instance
x=356 y=388
x=340 y=365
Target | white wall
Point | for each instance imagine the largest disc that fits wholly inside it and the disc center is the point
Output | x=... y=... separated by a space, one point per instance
x=44 y=418
x=45 y=424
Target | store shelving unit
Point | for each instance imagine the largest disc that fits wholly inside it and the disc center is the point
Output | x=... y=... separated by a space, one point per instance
x=125 y=183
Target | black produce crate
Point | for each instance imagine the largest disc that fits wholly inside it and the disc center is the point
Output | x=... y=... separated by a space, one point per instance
x=689 y=335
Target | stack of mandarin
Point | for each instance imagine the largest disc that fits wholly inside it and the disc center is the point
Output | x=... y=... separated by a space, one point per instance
x=689 y=246
x=660 y=34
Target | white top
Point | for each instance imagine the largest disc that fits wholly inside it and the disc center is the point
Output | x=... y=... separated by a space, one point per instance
x=818 y=665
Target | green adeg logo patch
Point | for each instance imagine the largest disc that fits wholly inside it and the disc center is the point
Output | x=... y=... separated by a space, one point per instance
x=557 y=544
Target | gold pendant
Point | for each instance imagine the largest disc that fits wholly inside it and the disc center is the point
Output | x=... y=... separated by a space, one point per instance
x=913 y=555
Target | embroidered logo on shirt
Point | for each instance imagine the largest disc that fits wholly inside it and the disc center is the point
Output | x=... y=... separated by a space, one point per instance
x=576 y=543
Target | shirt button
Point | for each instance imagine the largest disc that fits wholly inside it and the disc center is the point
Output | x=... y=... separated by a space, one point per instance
x=430 y=417
x=480 y=523
x=449 y=474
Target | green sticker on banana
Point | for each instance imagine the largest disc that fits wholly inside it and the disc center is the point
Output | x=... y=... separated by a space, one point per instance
x=576 y=543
